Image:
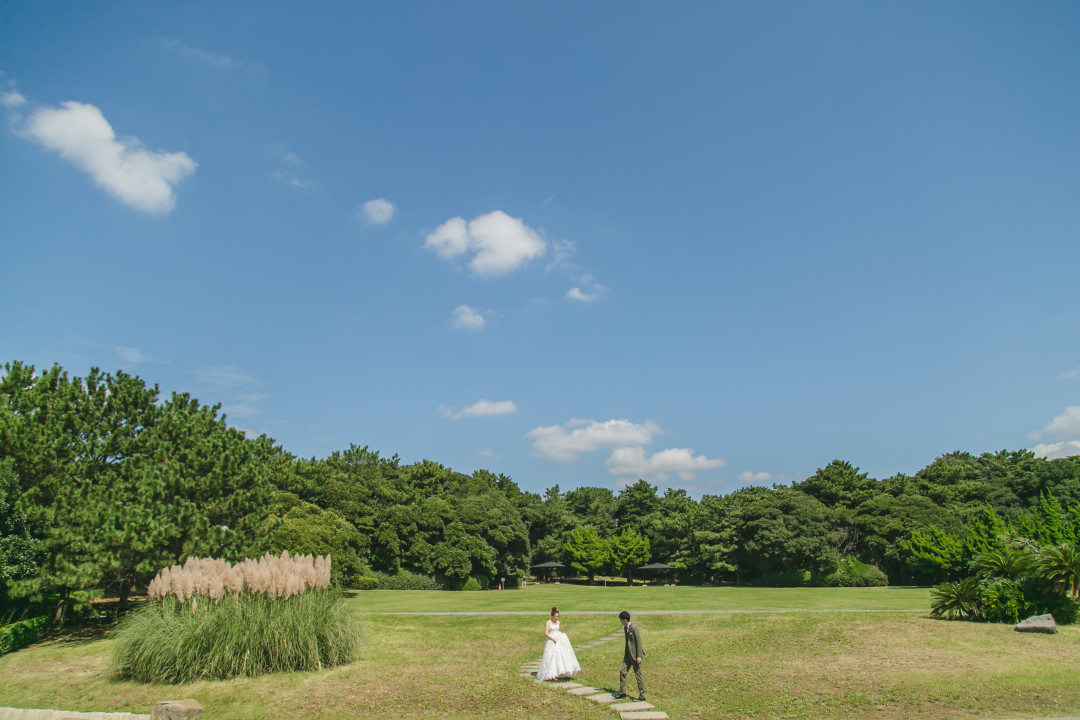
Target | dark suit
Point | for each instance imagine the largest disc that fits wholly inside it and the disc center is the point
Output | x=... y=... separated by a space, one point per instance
x=634 y=649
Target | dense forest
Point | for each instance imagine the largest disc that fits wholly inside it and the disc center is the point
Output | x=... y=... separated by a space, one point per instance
x=103 y=483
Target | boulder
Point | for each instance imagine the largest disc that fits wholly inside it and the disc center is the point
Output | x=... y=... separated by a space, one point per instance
x=176 y=710
x=1037 y=624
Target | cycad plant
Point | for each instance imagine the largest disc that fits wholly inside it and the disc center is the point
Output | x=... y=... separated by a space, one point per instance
x=955 y=599
x=1005 y=562
x=1060 y=564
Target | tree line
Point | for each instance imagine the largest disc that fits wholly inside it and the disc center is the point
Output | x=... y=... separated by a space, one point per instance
x=103 y=483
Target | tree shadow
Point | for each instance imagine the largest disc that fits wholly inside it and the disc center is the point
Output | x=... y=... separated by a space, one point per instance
x=79 y=634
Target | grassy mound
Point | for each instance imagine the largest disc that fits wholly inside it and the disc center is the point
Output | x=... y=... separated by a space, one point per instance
x=169 y=641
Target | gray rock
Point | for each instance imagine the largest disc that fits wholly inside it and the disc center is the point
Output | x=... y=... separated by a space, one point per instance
x=176 y=710
x=1037 y=624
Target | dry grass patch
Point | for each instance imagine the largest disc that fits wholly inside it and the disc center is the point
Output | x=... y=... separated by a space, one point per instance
x=809 y=665
x=842 y=666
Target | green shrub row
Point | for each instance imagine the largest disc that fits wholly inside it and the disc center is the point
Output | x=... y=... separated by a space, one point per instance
x=404 y=580
x=18 y=635
x=246 y=635
x=853 y=573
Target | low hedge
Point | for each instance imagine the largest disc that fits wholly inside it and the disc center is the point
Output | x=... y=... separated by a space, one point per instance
x=18 y=635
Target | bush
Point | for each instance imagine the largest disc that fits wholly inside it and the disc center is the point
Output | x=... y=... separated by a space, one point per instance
x=1002 y=601
x=367 y=582
x=406 y=580
x=17 y=635
x=784 y=578
x=853 y=573
x=471 y=584
x=244 y=635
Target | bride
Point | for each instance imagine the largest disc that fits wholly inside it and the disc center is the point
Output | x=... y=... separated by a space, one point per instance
x=559 y=660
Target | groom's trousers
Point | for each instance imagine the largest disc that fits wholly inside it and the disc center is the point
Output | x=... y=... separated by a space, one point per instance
x=626 y=665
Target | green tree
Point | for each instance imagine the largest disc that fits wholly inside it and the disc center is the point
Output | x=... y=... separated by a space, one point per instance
x=587 y=551
x=119 y=485
x=628 y=550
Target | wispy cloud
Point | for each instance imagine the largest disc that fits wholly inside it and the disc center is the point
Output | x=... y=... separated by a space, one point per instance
x=204 y=57
x=1070 y=374
x=565 y=442
x=499 y=244
x=290 y=173
x=122 y=167
x=587 y=290
x=377 y=212
x=466 y=318
x=635 y=462
x=480 y=408
x=131 y=355
x=244 y=406
x=758 y=478
x=224 y=376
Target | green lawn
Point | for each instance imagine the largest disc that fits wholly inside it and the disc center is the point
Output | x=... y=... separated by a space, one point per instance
x=584 y=598
x=884 y=666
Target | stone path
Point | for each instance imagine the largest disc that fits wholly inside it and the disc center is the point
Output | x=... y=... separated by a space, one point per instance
x=17 y=714
x=628 y=709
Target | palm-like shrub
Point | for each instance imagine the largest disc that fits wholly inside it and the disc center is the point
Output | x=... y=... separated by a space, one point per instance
x=955 y=599
x=212 y=620
x=1008 y=563
x=1060 y=564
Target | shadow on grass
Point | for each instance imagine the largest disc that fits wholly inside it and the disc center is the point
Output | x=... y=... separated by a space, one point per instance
x=80 y=634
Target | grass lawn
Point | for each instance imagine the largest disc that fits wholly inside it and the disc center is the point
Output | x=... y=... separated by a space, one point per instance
x=763 y=665
x=584 y=598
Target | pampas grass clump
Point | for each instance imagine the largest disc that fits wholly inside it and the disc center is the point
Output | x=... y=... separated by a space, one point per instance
x=207 y=621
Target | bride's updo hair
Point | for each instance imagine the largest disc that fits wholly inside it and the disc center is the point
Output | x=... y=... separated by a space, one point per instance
x=554 y=610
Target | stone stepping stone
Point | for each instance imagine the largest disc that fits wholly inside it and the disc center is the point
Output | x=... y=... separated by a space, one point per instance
x=631 y=706
x=605 y=698
x=528 y=675
x=584 y=691
x=644 y=715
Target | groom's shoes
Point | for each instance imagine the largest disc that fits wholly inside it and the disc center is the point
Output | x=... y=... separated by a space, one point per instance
x=620 y=696
x=641 y=698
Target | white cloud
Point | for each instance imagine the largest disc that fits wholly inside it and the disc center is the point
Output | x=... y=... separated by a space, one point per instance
x=467 y=318
x=480 y=408
x=1053 y=451
x=1066 y=425
x=486 y=407
x=140 y=178
x=562 y=251
x=224 y=376
x=243 y=406
x=576 y=294
x=131 y=355
x=202 y=56
x=560 y=442
x=633 y=461
x=12 y=100
x=759 y=478
x=1070 y=374
x=377 y=211
x=500 y=243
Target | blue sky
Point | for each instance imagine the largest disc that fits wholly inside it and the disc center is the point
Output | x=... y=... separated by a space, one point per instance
x=707 y=244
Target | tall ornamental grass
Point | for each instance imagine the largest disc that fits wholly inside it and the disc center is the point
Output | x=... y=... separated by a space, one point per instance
x=208 y=619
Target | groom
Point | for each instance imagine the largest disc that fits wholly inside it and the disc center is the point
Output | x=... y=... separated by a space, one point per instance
x=633 y=655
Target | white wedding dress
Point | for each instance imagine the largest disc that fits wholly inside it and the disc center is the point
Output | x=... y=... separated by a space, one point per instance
x=559 y=660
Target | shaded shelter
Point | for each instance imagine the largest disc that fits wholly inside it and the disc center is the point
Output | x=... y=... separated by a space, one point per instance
x=545 y=567
x=656 y=567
